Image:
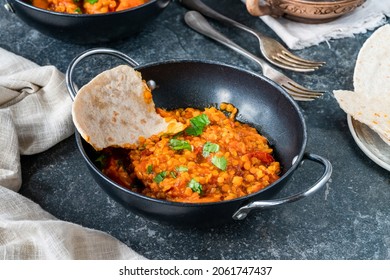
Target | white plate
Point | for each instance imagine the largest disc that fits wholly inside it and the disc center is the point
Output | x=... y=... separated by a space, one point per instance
x=370 y=143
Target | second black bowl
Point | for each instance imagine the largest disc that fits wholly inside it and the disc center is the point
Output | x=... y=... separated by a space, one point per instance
x=85 y=28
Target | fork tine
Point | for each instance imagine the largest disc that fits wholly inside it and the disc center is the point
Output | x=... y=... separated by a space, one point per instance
x=297 y=59
x=305 y=99
x=298 y=89
x=278 y=55
x=286 y=60
x=299 y=96
x=289 y=64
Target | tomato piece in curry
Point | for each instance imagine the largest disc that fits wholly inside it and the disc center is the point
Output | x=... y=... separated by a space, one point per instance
x=216 y=158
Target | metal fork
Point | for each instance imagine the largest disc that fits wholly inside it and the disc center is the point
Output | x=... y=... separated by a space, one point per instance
x=197 y=22
x=272 y=50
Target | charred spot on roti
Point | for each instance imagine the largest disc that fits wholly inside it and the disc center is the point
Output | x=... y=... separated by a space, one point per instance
x=124 y=122
x=100 y=105
x=114 y=117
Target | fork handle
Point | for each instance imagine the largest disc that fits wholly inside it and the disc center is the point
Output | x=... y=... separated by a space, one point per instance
x=199 y=23
x=205 y=10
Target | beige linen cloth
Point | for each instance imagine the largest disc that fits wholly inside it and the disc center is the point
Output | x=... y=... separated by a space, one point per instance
x=35 y=114
x=300 y=35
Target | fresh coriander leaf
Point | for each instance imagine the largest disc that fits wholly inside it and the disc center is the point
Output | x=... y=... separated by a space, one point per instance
x=195 y=186
x=160 y=177
x=177 y=144
x=209 y=147
x=101 y=161
x=149 y=169
x=182 y=169
x=92 y=1
x=198 y=123
x=219 y=162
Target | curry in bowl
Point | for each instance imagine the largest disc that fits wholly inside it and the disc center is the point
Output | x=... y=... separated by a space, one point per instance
x=215 y=158
x=72 y=22
x=86 y=6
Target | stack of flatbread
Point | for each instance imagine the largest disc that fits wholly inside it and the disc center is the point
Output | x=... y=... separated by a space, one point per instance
x=116 y=108
x=369 y=103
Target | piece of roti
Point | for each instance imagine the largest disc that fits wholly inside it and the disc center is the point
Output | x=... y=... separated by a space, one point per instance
x=370 y=110
x=116 y=108
x=369 y=103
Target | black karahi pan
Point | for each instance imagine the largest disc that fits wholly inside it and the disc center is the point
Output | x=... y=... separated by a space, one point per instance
x=84 y=28
x=260 y=102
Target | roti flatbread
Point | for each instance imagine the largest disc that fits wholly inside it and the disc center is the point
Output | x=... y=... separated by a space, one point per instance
x=369 y=103
x=370 y=110
x=116 y=108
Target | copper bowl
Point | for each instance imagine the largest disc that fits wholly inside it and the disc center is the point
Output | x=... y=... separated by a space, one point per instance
x=315 y=11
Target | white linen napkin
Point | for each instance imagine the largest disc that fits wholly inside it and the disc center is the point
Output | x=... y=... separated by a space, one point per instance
x=300 y=35
x=35 y=114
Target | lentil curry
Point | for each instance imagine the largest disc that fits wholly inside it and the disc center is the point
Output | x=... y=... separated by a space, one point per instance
x=86 y=6
x=215 y=158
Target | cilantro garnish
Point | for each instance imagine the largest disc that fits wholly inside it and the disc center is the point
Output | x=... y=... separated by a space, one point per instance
x=219 y=162
x=160 y=177
x=195 y=186
x=208 y=148
x=198 y=123
x=177 y=144
x=182 y=169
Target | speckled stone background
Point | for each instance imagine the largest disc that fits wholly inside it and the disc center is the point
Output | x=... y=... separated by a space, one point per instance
x=348 y=219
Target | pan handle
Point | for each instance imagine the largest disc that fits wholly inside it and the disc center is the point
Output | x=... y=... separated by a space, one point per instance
x=69 y=72
x=242 y=212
